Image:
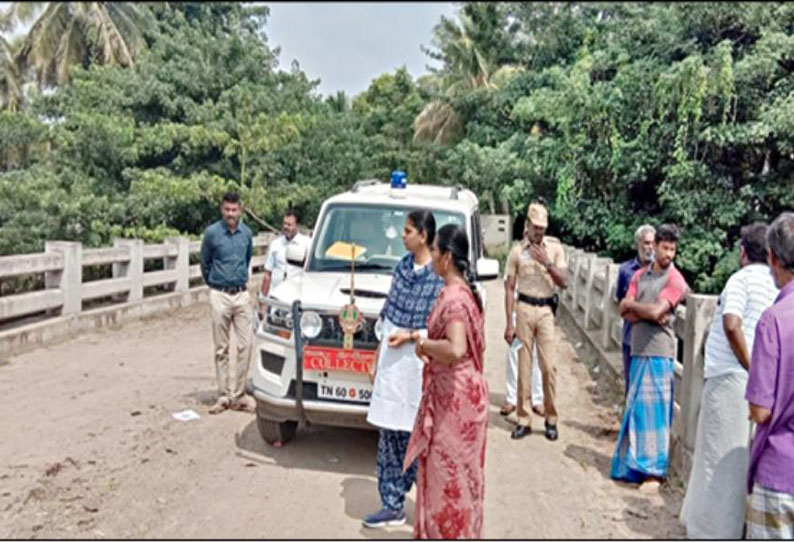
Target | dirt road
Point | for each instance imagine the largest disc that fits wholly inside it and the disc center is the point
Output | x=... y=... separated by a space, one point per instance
x=89 y=449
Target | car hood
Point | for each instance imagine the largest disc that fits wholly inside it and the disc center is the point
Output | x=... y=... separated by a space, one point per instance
x=330 y=291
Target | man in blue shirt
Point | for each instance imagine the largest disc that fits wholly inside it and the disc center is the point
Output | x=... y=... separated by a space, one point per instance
x=643 y=241
x=225 y=255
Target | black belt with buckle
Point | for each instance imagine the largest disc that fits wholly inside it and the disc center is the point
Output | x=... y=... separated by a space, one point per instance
x=230 y=290
x=536 y=301
x=552 y=301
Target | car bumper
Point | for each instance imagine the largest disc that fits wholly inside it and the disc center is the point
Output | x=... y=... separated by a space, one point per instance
x=282 y=409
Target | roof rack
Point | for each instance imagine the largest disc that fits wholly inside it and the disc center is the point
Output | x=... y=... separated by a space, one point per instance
x=455 y=189
x=362 y=184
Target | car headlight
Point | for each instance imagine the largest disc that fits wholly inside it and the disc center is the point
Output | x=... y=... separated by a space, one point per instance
x=311 y=324
x=378 y=328
x=277 y=322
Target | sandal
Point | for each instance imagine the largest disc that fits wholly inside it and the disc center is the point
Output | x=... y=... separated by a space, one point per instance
x=220 y=405
x=507 y=410
x=242 y=405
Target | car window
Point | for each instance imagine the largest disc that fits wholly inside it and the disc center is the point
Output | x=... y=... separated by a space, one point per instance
x=374 y=232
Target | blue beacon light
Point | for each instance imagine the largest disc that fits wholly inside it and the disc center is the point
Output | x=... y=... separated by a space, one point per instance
x=398 y=183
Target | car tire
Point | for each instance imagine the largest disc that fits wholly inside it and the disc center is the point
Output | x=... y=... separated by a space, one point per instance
x=273 y=431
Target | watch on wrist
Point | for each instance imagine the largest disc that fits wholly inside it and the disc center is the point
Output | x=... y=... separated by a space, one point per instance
x=548 y=264
x=261 y=297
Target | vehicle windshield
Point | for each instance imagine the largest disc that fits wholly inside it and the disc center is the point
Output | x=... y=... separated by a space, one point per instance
x=374 y=232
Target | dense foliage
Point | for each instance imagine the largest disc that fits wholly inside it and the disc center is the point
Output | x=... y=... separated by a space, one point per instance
x=616 y=114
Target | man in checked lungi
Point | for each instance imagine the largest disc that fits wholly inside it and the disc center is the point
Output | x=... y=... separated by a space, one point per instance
x=770 y=392
x=642 y=452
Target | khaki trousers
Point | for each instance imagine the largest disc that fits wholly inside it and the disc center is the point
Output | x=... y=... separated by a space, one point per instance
x=536 y=325
x=226 y=311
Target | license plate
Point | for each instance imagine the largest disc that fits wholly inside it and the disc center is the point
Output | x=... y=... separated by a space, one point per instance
x=341 y=390
x=317 y=358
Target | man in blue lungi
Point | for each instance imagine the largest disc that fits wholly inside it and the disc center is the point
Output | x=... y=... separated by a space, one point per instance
x=642 y=454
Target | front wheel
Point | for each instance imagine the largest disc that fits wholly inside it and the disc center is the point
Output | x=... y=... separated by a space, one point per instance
x=273 y=431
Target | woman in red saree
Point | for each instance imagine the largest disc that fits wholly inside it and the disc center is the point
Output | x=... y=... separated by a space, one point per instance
x=449 y=433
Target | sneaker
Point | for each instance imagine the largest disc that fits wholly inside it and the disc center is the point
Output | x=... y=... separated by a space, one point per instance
x=384 y=518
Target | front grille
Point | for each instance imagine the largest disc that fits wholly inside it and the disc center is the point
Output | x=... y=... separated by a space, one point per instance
x=332 y=335
x=272 y=362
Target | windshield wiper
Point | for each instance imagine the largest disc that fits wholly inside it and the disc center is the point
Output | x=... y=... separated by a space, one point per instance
x=359 y=267
x=365 y=266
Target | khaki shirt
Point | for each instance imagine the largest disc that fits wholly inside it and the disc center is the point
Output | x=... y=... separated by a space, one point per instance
x=533 y=278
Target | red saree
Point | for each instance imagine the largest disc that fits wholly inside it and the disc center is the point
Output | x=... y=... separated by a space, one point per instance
x=449 y=433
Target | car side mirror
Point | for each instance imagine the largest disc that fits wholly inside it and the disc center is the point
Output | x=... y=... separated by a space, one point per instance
x=487 y=269
x=296 y=255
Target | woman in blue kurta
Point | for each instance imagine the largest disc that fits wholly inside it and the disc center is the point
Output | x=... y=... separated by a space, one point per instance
x=398 y=377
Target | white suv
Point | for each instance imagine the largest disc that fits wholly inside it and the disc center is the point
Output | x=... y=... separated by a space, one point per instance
x=331 y=386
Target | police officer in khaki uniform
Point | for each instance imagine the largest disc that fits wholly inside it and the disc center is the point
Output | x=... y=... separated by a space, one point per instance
x=537 y=265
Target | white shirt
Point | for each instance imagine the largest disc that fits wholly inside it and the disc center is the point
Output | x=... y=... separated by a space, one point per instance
x=747 y=294
x=276 y=261
x=398 y=384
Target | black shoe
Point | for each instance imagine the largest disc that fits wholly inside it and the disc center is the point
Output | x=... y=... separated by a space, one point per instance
x=521 y=431
x=551 y=431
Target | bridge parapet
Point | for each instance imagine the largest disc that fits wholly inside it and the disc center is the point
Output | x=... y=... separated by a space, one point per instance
x=590 y=303
x=145 y=279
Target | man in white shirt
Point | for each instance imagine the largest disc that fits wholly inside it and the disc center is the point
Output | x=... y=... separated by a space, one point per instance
x=714 y=506
x=276 y=267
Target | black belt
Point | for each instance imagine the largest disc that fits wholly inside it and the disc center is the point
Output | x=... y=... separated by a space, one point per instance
x=230 y=290
x=536 y=301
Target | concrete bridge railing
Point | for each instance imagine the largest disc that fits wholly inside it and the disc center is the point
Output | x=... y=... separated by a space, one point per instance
x=591 y=304
x=68 y=302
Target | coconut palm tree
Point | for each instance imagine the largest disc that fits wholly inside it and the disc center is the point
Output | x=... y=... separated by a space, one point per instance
x=68 y=33
x=10 y=93
x=438 y=122
x=466 y=68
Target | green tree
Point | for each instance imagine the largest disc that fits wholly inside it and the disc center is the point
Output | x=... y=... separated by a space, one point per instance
x=68 y=33
x=472 y=59
x=10 y=86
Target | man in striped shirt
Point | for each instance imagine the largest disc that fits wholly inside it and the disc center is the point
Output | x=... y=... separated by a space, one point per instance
x=715 y=498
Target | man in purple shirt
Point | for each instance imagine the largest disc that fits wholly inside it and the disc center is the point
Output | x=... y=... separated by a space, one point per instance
x=770 y=392
x=644 y=242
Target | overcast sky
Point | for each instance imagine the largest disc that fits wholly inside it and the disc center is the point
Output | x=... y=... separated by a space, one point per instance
x=347 y=44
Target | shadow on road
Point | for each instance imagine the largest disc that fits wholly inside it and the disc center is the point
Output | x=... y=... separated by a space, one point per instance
x=640 y=509
x=327 y=449
x=203 y=397
x=496 y=399
x=589 y=457
x=597 y=432
x=500 y=422
x=361 y=498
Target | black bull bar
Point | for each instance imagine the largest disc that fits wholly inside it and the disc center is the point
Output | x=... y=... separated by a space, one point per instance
x=298 y=337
